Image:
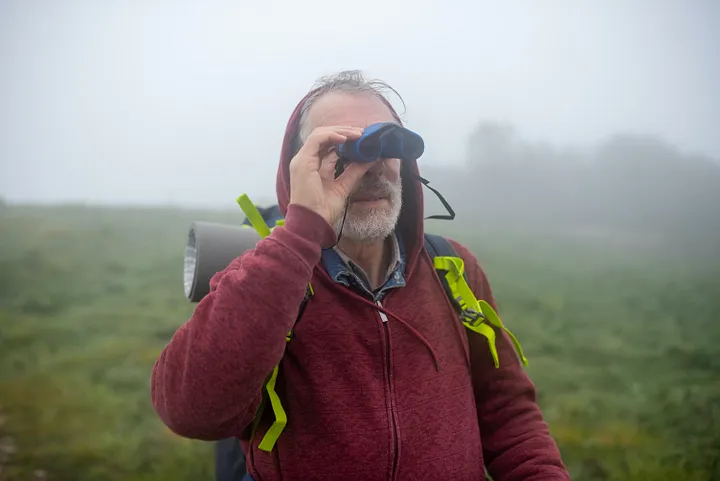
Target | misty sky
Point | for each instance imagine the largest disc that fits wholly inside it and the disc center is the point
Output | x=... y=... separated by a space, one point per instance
x=185 y=102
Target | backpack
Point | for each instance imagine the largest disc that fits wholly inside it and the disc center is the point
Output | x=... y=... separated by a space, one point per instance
x=477 y=315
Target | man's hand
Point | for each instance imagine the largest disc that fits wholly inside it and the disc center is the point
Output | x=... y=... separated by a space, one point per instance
x=312 y=173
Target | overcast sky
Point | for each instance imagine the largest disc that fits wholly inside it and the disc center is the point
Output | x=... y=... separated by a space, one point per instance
x=185 y=102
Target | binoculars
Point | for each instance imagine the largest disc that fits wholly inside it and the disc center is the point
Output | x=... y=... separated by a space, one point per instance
x=383 y=140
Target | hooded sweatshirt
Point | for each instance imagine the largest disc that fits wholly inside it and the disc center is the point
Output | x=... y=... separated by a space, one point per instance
x=377 y=390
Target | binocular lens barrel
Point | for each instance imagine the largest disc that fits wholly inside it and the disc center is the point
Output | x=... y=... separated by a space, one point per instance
x=368 y=150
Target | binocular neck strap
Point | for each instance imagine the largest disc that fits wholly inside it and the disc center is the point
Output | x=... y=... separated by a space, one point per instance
x=451 y=213
x=449 y=216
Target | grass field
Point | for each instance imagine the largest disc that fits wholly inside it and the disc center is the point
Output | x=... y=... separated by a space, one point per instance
x=623 y=342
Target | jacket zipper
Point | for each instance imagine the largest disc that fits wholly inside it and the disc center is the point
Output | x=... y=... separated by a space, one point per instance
x=384 y=319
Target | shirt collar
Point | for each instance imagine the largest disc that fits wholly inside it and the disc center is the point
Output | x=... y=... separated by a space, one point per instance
x=344 y=271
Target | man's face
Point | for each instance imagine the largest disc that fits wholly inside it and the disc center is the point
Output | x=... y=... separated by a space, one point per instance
x=374 y=205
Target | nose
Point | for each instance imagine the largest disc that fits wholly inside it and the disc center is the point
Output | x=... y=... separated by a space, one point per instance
x=387 y=168
x=378 y=167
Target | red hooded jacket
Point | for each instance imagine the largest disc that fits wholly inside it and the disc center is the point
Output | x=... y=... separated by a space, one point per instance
x=416 y=397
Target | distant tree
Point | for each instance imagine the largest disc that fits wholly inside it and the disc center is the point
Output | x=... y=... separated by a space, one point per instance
x=630 y=181
x=639 y=156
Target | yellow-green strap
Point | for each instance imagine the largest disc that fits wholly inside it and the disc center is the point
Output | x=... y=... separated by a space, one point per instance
x=277 y=427
x=253 y=215
x=488 y=332
x=454 y=268
x=273 y=433
x=494 y=319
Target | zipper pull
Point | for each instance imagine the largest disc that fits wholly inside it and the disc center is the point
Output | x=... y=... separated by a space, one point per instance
x=383 y=316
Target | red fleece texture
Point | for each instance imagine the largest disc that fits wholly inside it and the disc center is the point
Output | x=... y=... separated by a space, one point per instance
x=364 y=399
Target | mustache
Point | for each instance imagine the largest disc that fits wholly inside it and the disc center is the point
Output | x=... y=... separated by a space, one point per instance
x=377 y=187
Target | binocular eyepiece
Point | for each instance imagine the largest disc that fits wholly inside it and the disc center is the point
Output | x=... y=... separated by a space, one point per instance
x=383 y=140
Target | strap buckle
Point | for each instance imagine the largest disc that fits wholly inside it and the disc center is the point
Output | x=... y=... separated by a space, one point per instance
x=473 y=316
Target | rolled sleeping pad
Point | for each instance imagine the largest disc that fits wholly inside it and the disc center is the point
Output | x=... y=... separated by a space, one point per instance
x=211 y=248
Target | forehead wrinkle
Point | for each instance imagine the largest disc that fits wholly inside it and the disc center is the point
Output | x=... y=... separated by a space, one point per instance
x=346 y=109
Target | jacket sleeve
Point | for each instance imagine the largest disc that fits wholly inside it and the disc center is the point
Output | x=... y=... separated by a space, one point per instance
x=516 y=441
x=207 y=382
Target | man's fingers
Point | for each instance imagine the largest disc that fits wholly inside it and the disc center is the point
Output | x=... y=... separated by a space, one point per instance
x=327 y=136
x=320 y=141
x=327 y=166
x=310 y=153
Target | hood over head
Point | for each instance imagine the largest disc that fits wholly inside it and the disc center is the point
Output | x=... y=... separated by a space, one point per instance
x=410 y=222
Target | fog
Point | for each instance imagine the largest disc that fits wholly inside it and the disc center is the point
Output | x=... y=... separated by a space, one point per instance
x=185 y=103
x=577 y=141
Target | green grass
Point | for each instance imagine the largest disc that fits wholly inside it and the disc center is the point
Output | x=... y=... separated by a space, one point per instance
x=622 y=343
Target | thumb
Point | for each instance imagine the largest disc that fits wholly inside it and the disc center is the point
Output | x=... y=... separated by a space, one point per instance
x=352 y=174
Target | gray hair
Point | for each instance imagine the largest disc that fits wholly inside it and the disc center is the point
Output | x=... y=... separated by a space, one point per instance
x=351 y=81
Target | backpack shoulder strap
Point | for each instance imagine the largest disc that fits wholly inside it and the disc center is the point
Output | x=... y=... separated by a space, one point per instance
x=439 y=246
x=477 y=315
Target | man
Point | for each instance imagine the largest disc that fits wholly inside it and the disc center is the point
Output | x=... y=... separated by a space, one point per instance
x=380 y=380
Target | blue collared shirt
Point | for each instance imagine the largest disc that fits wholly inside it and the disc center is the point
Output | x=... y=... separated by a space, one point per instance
x=344 y=271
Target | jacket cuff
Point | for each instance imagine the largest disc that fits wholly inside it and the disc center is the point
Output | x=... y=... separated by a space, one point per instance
x=309 y=225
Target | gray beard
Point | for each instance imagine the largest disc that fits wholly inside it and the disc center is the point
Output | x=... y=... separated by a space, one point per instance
x=376 y=224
